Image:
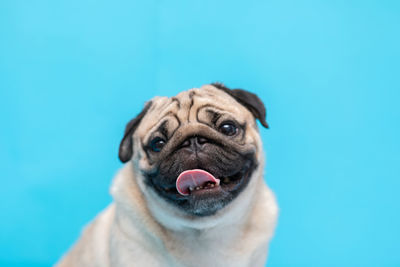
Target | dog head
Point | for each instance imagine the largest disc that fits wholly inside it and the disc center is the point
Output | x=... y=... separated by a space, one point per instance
x=198 y=151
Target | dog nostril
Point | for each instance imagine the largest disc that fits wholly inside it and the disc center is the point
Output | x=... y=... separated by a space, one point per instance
x=202 y=140
x=194 y=141
x=186 y=143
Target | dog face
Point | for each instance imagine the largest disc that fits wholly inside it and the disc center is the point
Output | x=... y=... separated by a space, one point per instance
x=198 y=150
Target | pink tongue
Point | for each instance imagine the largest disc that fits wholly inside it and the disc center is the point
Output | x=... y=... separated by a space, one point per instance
x=193 y=178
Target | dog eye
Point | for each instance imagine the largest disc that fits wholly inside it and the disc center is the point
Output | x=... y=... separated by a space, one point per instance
x=228 y=128
x=157 y=144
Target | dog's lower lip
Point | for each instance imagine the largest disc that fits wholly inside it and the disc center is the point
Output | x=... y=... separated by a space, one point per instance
x=202 y=191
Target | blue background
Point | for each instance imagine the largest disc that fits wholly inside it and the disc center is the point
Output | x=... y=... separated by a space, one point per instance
x=72 y=73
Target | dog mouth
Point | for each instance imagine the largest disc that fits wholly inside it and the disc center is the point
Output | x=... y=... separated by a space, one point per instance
x=201 y=187
x=200 y=182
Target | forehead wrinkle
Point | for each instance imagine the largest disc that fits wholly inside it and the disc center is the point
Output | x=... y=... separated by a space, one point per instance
x=160 y=126
x=192 y=95
x=163 y=129
x=167 y=107
x=185 y=102
x=204 y=98
x=190 y=101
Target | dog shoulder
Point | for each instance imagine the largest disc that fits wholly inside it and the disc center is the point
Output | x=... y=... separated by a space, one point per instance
x=265 y=211
x=92 y=247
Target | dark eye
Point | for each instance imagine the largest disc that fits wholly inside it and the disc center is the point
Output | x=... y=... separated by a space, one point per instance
x=157 y=144
x=228 y=128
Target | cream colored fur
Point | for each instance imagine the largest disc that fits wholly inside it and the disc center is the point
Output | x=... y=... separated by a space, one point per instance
x=141 y=229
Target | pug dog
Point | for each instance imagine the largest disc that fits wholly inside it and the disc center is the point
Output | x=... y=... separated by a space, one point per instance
x=191 y=192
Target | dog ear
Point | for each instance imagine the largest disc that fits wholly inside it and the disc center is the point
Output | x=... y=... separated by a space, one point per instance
x=125 y=148
x=251 y=101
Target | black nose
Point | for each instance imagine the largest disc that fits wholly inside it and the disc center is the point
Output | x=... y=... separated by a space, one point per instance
x=194 y=142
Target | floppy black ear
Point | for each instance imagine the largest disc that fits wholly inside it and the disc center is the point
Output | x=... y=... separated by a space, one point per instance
x=125 y=148
x=251 y=101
